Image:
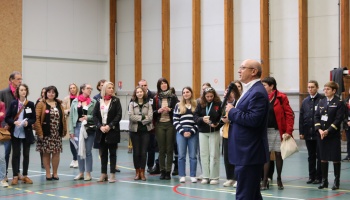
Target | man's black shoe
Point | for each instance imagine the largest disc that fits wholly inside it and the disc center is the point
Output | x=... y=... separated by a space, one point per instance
x=317 y=182
x=310 y=181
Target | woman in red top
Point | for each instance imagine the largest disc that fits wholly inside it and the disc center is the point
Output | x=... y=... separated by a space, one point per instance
x=280 y=123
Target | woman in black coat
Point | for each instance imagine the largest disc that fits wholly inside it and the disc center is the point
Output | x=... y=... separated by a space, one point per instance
x=20 y=117
x=107 y=115
x=328 y=119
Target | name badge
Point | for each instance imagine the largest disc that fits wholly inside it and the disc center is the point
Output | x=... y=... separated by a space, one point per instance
x=28 y=110
x=324 y=118
x=85 y=107
x=315 y=108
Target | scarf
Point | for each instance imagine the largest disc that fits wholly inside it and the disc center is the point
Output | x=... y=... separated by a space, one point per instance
x=272 y=95
x=107 y=97
x=82 y=98
x=72 y=96
x=165 y=94
x=13 y=90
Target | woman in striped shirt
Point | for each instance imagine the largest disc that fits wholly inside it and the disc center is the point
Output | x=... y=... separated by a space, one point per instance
x=187 y=133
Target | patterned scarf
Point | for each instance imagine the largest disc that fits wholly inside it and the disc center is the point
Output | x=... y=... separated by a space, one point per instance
x=165 y=94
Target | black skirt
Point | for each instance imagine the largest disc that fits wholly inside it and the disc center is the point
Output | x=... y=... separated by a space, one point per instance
x=330 y=148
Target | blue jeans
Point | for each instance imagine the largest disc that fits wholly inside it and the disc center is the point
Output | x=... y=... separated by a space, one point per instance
x=85 y=165
x=192 y=144
x=2 y=161
x=7 y=145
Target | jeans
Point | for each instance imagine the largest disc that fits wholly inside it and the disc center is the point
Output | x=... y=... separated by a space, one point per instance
x=16 y=155
x=182 y=144
x=85 y=165
x=2 y=161
x=210 y=154
x=165 y=138
x=139 y=144
x=73 y=150
x=7 y=145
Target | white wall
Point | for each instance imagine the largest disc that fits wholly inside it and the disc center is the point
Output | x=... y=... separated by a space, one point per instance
x=65 y=41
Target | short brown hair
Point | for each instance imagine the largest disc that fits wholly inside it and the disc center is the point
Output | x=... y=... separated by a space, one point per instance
x=332 y=85
x=24 y=85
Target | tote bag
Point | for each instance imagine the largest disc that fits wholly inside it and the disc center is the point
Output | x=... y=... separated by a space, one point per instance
x=288 y=147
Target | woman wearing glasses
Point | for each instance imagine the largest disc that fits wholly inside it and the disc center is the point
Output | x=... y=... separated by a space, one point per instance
x=73 y=93
x=81 y=126
x=207 y=116
x=328 y=118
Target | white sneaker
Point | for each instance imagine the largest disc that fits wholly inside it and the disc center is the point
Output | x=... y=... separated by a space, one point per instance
x=182 y=179
x=228 y=183
x=235 y=185
x=204 y=181
x=71 y=164
x=4 y=184
x=75 y=164
x=193 y=180
x=214 y=182
x=200 y=177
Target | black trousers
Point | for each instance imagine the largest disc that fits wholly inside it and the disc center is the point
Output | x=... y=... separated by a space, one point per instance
x=16 y=155
x=229 y=168
x=314 y=159
x=112 y=150
x=140 y=142
x=151 y=150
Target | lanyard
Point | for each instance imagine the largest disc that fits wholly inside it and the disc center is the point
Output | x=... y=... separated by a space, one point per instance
x=208 y=109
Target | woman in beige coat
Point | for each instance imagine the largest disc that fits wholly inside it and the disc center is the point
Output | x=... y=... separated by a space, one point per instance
x=73 y=92
x=140 y=125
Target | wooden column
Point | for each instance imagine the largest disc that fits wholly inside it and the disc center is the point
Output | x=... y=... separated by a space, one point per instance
x=196 y=48
x=166 y=39
x=10 y=39
x=265 y=37
x=303 y=50
x=229 y=40
x=344 y=33
x=138 y=41
x=112 y=38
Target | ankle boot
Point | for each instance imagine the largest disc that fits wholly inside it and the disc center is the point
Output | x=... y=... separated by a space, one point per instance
x=137 y=176
x=142 y=174
x=162 y=175
x=167 y=176
x=336 y=167
x=324 y=168
x=176 y=169
x=155 y=169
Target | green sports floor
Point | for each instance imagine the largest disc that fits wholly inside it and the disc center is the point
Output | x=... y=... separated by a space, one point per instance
x=294 y=177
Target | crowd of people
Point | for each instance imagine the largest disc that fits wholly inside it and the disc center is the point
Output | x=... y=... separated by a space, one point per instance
x=251 y=126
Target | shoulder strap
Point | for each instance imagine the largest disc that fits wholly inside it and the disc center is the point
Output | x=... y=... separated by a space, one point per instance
x=19 y=112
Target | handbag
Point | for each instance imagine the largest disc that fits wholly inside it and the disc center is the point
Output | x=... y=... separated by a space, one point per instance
x=5 y=135
x=288 y=147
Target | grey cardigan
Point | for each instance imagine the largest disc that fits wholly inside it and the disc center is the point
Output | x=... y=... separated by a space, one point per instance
x=135 y=116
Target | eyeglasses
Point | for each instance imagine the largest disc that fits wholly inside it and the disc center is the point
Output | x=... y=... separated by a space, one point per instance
x=89 y=88
x=143 y=85
x=243 y=68
x=208 y=89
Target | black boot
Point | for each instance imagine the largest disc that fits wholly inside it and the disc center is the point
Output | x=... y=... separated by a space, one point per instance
x=175 y=171
x=155 y=169
x=324 y=168
x=162 y=175
x=167 y=176
x=336 y=167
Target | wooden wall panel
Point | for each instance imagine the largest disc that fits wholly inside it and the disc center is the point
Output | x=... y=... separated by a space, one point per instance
x=112 y=40
x=265 y=37
x=229 y=41
x=344 y=33
x=196 y=48
x=166 y=39
x=138 y=41
x=303 y=50
x=10 y=39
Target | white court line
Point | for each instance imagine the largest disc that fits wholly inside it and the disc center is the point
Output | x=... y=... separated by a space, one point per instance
x=189 y=188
